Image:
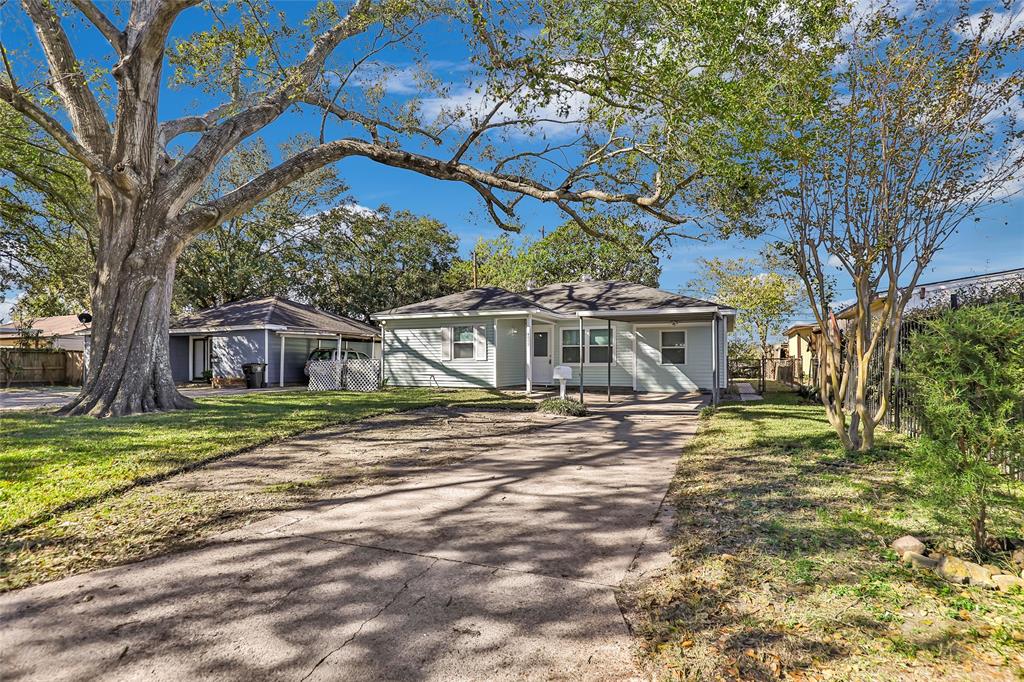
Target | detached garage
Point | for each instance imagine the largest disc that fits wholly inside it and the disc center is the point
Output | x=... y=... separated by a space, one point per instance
x=216 y=342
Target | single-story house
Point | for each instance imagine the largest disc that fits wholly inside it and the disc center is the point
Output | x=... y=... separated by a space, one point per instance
x=59 y=331
x=271 y=330
x=613 y=334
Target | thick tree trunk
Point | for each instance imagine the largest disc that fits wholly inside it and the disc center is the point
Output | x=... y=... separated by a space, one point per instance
x=129 y=362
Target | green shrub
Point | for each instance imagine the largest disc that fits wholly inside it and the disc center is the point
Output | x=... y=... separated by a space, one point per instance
x=563 y=406
x=967 y=371
x=707 y=412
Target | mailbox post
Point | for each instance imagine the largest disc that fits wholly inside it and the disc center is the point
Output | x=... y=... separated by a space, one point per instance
x=562 y=373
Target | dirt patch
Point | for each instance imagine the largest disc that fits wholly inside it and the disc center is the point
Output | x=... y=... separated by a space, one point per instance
x=184 y=510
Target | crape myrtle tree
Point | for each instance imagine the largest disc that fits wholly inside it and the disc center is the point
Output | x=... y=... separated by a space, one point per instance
x=922 y=131
x=667 y=103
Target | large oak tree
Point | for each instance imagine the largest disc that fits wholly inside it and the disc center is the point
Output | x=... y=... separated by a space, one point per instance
x=666 y=105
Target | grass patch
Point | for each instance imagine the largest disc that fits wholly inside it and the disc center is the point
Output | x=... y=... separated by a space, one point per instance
x=49 y=464
x=783 y=569
x=566 y=407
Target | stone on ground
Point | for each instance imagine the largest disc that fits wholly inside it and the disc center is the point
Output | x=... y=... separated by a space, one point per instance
x=908 y=543
x=1006 y=583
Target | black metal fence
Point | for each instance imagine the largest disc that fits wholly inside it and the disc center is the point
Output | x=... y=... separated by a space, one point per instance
x=902 y=413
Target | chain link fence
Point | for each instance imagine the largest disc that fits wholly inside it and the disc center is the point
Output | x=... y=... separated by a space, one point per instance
x=350 y=375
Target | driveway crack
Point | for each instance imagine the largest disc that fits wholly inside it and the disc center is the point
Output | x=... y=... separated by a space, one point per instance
x=369 y=620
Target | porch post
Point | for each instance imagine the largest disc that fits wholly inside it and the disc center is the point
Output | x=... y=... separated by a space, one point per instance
x=266 y=357
x=582 y=353
x=191 y=355
x=280 y=376
x=383 y=332
x=634 y=357
x=611 y=349
x=529 y=353
x=714 y=361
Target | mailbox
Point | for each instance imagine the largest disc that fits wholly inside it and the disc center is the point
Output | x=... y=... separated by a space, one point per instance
x=562 y=372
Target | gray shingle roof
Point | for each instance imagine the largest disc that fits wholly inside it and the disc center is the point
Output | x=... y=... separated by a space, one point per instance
x=274 y=311
x=562 y=298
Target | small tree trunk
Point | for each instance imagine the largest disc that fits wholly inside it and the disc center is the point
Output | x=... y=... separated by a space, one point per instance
x=979 y=525
x=129 y=359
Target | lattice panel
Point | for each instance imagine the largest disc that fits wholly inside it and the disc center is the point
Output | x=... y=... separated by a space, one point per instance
x=361 y=375
x=324 y=375
x=352 y=375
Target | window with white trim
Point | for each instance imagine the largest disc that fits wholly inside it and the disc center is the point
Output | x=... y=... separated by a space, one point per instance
x=599 y=346
x=570 y=346
x=673 y=347
x=462 y=343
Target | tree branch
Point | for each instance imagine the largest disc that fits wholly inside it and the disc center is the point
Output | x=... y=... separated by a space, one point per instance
x=248 y=195
x=87 y=118
x=114 y=36
x=32 y=111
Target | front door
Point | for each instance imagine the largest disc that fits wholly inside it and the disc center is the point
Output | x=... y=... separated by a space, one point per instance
x=541 y=364
x=199 y=355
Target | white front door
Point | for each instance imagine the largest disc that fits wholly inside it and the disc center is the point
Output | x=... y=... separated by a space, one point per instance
x=541 y=364
x=199 y=356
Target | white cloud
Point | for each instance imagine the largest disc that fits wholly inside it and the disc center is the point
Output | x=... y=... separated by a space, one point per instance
x=1000 y=22
x=555 y=118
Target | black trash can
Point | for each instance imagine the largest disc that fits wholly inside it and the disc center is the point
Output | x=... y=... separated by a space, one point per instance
x=253 y=372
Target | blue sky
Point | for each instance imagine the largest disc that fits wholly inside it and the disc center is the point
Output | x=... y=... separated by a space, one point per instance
x=996 y=242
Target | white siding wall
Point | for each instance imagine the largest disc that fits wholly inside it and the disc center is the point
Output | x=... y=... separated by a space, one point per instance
x=596 y=375
x=511 y=355
x=692 y=376
x=412 y=355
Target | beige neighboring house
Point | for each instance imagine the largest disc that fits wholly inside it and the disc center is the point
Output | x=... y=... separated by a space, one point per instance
x=798 y=345
x=59 y=331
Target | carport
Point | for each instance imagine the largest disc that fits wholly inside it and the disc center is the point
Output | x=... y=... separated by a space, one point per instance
x=673 y=320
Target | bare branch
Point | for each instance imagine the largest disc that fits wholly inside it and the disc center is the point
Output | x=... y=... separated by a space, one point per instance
x=114 y=36
x=87 y=118
x=48 y=123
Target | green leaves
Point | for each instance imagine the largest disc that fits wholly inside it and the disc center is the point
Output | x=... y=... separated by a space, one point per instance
x=967 y=370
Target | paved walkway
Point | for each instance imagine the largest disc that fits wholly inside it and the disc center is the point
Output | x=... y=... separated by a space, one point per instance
x=502 y=566
x=747 y=392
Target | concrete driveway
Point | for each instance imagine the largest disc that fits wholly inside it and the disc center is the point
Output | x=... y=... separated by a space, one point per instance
x=502 y=566
x=35 y=398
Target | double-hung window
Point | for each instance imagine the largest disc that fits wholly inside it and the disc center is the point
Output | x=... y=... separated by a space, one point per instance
x=570 y=346
x=599 y=346
x=462 y=343
x=596 y=349
x=673 y=348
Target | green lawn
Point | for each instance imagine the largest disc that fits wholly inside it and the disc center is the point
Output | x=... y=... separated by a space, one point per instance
x=782 y=566
x=50 y=464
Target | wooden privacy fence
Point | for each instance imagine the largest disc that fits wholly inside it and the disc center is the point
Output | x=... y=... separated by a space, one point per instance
x=20 y=367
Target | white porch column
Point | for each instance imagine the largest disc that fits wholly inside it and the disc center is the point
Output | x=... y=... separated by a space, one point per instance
x=633 y=332
x=191 y=355
x=280 y=376
x=583 y=351
x=529 y=353
x=714 y=361
x=383 y=339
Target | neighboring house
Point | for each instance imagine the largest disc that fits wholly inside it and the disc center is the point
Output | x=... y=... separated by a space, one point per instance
x=614 y=333
x=931 y=294
x=61 y=331
x=942 y=293
x=798 y=345
x=272 y=330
